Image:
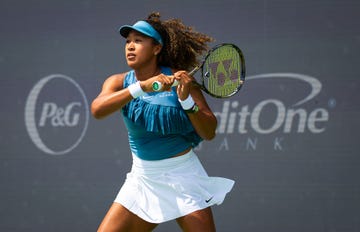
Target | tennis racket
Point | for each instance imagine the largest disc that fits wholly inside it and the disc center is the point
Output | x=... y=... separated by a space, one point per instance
x=222 y=71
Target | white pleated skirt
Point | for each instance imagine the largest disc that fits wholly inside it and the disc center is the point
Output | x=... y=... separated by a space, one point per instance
x=162 y=190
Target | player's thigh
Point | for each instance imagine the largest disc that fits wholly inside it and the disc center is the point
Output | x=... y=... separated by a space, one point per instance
x=198 y=221
x=120 y=219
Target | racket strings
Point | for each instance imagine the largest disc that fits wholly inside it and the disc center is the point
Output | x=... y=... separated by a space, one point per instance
x=223 y=71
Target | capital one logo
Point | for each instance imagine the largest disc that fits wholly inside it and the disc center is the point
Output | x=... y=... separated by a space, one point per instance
x=56 y=114
x=293 y=118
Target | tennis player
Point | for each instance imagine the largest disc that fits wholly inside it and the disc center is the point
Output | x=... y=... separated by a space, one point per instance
x=167 y=180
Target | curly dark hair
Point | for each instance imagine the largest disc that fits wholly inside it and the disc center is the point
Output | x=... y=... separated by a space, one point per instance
x=182 y=44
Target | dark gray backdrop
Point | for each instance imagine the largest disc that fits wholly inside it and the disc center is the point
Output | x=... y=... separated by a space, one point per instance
x=290 y=138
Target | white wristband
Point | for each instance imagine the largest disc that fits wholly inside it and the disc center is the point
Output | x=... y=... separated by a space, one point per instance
x=188 y=103
x=136 y=90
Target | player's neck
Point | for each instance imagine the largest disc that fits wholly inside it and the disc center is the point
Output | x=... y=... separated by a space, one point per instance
x=147 y=72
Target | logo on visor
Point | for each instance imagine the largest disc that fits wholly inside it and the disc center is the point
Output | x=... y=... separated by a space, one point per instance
x=56 y=114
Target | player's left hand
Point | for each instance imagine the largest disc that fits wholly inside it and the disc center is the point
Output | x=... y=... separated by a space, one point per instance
x=185 y=82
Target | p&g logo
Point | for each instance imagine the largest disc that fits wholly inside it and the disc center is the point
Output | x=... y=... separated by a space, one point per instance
x=56 y=114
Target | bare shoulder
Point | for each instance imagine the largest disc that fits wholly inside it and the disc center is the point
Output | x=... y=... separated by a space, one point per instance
x=114 y=82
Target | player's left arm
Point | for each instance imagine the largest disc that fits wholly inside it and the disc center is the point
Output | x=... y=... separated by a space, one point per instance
x=204 y=120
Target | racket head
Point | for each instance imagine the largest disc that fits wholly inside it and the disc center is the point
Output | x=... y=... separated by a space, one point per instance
x=223 y=71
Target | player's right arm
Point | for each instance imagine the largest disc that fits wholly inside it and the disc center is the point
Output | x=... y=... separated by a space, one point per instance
x=111 y=98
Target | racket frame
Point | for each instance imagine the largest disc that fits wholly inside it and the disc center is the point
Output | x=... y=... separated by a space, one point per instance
x=203 y=76
x=157 y=85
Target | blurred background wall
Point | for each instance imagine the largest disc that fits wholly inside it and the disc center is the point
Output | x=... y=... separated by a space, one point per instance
x=290 y=138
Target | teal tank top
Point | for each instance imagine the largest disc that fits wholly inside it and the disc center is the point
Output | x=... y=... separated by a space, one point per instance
x=158 y=128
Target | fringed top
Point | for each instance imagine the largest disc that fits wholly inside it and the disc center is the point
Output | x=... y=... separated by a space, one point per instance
x=158 y=127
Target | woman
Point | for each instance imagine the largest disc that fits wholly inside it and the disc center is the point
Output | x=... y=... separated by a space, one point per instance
x=166 y=181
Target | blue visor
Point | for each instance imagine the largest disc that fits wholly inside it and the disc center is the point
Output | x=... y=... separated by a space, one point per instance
x=142 y=27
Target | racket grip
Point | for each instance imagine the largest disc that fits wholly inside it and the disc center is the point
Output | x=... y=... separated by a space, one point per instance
x=156 y=85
